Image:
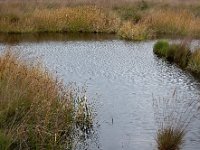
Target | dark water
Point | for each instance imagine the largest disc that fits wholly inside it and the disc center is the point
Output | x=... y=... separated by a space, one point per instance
x=121 y=79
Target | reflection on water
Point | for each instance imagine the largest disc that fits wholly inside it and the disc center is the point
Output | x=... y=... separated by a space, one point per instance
x=44 y=37
x=121 y=79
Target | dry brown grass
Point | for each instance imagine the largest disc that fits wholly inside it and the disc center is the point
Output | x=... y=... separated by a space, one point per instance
x=170 y=138
x=194 y=62
x=173 y=115
x=37 y=111
x=138 y=31
x=73 y=19
x=161 y=23
x=131 y=19
x=104 y=2
x=173 y=22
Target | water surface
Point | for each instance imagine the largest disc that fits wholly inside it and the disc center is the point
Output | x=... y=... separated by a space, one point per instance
x=121 y=78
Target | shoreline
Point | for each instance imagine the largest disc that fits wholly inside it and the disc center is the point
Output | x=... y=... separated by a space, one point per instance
x=142 y=21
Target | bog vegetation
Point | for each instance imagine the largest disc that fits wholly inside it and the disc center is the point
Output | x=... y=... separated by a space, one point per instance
x=36 y=110
x=179 y=53
x=173 y=118
x=133 y=19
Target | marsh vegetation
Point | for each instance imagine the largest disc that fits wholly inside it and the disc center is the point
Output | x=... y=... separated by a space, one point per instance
x=179 y=53
x=37 y=110
x=173 y=118
x=135 y=20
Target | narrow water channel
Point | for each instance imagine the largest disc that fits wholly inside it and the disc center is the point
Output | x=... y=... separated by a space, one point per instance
x=121 y=79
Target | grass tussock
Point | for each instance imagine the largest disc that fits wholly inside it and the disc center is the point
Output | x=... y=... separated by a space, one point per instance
x=194 y=62
x=135 y=32
x=37 y=111
x=170 y=138
x=160 y=48
x=179 y=53
x=173 y=116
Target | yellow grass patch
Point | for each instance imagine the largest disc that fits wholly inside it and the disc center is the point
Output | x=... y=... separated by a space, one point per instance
x=37 y=111
x=171 y=22
x=134 y=31
x=74 y=19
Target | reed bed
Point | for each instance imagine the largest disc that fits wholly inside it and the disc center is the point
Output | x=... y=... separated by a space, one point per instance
x=37 y=111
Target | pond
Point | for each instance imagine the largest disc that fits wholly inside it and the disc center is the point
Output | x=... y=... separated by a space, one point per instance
x=121 y=78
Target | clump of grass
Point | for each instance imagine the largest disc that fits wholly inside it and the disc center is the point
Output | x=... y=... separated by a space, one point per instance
x=179 y=53
x=170 y=138
x=132 y=31
x=173 y=117
x=161 y=47
x=182 y=54
x=37 y=111
x=171 y=52
x=194 y=62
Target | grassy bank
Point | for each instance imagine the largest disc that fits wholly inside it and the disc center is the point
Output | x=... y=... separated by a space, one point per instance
x=179 y=53
x=77 y=19
x=135 y=20
x=37 y=111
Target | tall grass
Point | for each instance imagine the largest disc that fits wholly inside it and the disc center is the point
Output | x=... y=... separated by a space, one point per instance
x=173 y=116
x=173 y=22
x=135 y=20
x=36 y=110
x=156 y=23
x=136 y=32
x=194 y=62
x=70 y=19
